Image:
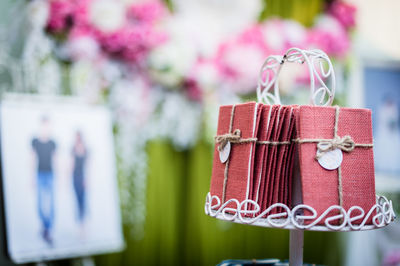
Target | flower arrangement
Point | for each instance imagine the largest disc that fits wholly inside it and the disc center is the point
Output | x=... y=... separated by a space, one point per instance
x=112 y=29
x=161 y=76
x=141 y=39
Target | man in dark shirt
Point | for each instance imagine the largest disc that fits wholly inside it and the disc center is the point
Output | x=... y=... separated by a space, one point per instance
x=44 y=149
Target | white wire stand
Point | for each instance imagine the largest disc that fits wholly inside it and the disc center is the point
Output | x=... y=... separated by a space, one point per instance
x=301 y=217
x=294 y=219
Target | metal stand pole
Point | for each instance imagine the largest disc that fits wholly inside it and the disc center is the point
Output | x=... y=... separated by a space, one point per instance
x=296 y=247
x=296 y=236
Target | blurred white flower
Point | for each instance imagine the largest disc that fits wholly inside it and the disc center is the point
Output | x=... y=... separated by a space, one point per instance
x=246 y=61
x=49 y=77
x=112 y=71
x=85 y=80
x=38 y=13
x=329 y=23
x=83 y=47
x=178 y=120
x=130 y=99
x=231 y=15
x=207 y=76
x=288 y=76
x=172 y=61
x=107 y=15
x=209 y=22
x=131 y=2
x=282 y=34
x=295 y=32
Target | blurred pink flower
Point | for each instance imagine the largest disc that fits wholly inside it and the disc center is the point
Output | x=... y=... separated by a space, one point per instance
x=60 y=17
x=131 y=43
x=344 y=13
x=193 y=90
x=239 y=60
x=238 y=63
x=81 y=13
x=147 y=12
x=329 y=36
x=392 y=258
x=206 y=74
x=253 y=36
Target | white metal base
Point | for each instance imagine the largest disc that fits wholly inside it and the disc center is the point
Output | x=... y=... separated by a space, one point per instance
x=381 y=213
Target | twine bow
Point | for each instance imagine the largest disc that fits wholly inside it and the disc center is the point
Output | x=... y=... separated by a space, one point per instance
x=345 y=143
x=222 y=140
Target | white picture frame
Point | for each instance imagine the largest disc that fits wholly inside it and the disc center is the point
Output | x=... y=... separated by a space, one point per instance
x=375 y=82
x=59 y=179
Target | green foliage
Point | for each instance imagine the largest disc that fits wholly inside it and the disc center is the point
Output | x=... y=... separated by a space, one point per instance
x=304 y=11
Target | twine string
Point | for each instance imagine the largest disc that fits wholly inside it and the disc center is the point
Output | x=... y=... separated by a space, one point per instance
x=345 y=144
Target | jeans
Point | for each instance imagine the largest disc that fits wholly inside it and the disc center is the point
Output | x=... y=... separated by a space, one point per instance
x=46 y=198
x=80 y=194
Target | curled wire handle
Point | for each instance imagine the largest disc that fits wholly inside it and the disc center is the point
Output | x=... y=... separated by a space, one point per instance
x=317 y=62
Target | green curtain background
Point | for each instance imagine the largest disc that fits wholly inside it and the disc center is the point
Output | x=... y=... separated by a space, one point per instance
x=177 y=231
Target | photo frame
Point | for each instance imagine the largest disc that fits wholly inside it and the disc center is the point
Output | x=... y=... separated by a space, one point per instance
x=59 y=179
x=375 y=86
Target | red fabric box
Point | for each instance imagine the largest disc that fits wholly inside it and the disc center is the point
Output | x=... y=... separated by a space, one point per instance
x=321 y=187
x=241 y=157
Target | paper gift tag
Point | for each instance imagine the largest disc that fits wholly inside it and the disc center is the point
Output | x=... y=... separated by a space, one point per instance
x=224 y=153
x=331 y=160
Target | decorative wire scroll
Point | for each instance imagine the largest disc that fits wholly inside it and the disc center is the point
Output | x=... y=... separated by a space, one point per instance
x=317 y=61
x=382 y=214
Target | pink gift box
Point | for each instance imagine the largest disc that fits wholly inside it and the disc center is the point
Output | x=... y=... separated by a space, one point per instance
x=320 y=187
x=241 y=157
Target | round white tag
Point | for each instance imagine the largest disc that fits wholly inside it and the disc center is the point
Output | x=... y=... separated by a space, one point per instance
x=331 y=160
x=224 y=154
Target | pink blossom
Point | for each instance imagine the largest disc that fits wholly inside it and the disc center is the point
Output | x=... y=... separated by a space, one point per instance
x=132 y=42
x=344 y=13
x=329 y=36
x=60 y=17
x=238 y=64
x=193 y=89
x=81 y=13
x=253 y=36
x=81 y=30
x=392 y=258
x=147 y=12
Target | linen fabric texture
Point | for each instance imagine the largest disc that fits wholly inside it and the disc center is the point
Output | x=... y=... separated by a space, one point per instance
x=262 y=170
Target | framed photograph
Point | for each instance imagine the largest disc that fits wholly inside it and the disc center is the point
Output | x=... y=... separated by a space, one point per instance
x=59 y=179
x=381 y=93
